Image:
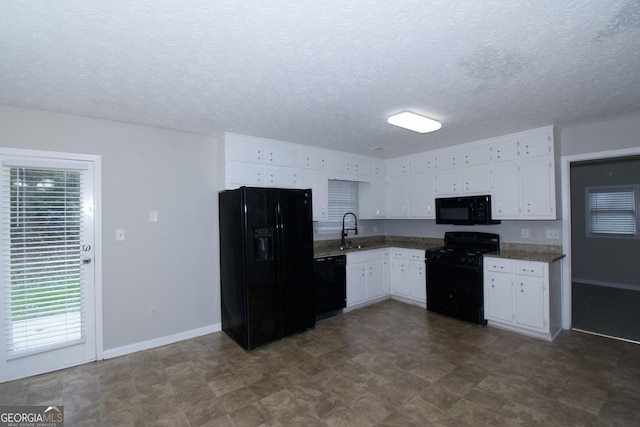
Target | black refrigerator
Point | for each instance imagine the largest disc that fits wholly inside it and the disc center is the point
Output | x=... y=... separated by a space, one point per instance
x=266 y=264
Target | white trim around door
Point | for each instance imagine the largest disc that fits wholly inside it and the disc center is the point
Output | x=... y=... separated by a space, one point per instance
x=566 y=218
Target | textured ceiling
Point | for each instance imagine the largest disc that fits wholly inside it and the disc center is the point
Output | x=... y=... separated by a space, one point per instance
x=326 y=73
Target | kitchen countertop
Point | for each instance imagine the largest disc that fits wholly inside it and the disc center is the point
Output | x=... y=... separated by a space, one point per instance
x=525 y=252
x=332 y=247
x=527 y=255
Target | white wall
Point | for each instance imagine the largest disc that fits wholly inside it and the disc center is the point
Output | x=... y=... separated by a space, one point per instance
x=171 y=264
x=601 y=136
x=509 y=231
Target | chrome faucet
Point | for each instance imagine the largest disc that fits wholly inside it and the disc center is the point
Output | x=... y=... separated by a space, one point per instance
x=345 y=231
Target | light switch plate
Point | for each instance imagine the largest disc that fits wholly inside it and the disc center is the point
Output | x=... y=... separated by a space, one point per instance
x=119 y=234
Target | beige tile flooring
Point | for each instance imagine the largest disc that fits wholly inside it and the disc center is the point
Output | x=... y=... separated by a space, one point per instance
x=388 y=364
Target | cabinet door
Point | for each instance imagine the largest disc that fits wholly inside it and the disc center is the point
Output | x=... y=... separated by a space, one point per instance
x=449 y=183
x=319 y=185
x=423 y=163
x=506 y=191
x=538 y=194
x=304 y=158
x=529 y=301
x=418 y=281
x=499 y=297
x=379 y=192
x=386 y=272
x=321 y=159
x=398 y=196
x=398 y=166
x=362 y=166
x=477 y=180
x=279 y=154
x=341 y=163
x=356 y=284
x=242 y=148
x=422 y=195
x=400 y=278
x=320 y=196
x=379 y=168
x=535 y=145
x=476 y=154
x=375 y=279
x=505 y=150
x=240 y=173
x=450 y=159
x=280 y=177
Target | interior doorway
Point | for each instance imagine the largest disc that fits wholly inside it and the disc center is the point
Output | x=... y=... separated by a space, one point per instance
x=605 y=243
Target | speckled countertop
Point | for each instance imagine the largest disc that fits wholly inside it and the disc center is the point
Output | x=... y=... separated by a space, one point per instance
x=332 y=247
x=527 y=252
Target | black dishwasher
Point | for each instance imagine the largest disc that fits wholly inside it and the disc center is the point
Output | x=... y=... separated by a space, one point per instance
x=331 y=285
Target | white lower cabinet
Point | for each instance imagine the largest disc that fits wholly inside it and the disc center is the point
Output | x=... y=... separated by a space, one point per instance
x=367 y=276
x=408 y=274
x=523 y=296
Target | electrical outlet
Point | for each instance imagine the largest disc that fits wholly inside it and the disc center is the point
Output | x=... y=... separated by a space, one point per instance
x=526 y=233
x=155 y=312
x=553 y=234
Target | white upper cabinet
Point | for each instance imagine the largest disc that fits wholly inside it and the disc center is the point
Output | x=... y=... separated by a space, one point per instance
x=505 y=149
x=450 y=158
x=361 y=165
x=276 y=154
x=423 y=162
x=422 y=189
x=399 y=166
x=536 y=144
x=308 y=158
x=241 y=148
x=524 y=181
x=476 y=155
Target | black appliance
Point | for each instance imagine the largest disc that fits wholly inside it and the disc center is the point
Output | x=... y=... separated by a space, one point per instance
x=454 y=275
x=331 y=285
x=266 y=264
x=467 y=210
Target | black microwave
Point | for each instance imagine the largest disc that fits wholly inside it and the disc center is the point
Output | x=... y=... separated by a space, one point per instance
x=468 y=210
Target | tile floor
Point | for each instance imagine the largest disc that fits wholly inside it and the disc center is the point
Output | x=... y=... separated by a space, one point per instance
x=388 y=364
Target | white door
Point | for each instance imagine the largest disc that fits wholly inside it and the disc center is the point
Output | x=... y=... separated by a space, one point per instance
x=47 y=266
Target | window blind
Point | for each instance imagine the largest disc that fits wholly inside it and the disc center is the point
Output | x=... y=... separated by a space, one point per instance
x=611 y=211
x=42 y=231
x=343 y=198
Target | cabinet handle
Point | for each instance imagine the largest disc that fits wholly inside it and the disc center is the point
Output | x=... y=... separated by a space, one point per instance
x=521 y=287
x=259 y=155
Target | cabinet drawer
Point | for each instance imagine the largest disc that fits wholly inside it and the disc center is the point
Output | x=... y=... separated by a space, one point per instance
x=499 y=265
x=530 y=269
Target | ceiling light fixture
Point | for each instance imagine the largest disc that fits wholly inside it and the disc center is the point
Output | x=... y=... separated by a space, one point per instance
x=414 y=122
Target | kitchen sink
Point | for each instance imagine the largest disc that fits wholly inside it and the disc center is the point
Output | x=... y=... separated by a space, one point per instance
x=347 y=247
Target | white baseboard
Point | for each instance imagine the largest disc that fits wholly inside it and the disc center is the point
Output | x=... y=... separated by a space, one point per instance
x=159 y=342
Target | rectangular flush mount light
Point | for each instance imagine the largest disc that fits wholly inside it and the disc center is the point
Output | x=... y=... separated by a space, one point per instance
x=414 y=122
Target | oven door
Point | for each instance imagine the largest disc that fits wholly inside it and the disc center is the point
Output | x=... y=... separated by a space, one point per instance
x=455 y=290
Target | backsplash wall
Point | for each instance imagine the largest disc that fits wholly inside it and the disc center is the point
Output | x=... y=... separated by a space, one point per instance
x=509 y=231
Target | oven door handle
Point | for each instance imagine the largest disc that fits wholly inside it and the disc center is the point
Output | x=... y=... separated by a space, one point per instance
x=453 y=265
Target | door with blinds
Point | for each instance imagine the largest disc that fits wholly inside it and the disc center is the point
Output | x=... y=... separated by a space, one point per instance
x=47 y=266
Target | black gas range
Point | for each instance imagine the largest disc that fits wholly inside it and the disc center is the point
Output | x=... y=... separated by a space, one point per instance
x=455 y=276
